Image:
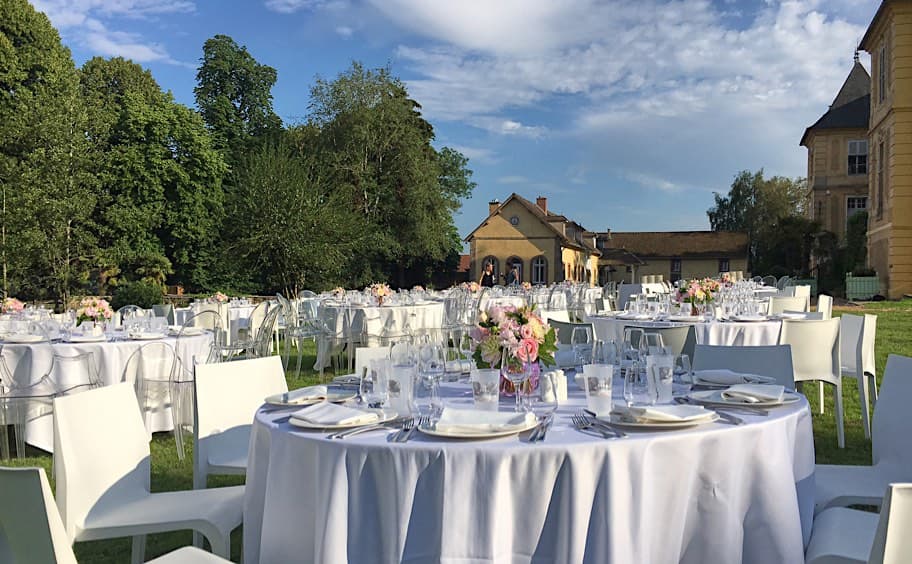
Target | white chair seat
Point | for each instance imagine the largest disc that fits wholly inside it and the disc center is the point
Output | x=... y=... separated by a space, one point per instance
x=842 y=536
x=853 y=485
x=217 y=509
x=188 y=555
x=228 y=451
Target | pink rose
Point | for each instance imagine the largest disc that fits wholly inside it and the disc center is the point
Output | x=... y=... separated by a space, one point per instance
x=527 y=351
x=526 y=332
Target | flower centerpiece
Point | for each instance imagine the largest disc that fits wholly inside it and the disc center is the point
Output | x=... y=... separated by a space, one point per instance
x=520 y=332
x=12 y=305
x=380 y=291
x=93 y=309
x=698 y=293
x=417 y=288
x=472 y=287
x=218 y=298
x=526 y=285
x=338 y=292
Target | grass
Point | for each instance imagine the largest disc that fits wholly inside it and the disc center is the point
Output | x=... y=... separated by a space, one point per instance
x=894 y=324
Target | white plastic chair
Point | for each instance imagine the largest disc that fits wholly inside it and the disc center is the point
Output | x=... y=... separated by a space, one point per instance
x=774 y=361
x=780 y=304
x=815 y=357
x=812 y=315
x=843 y=535
x=825 y=306
x=891 y=445
x=31 y=529
x=226 y=397
x=856 y=341
x=102 y=469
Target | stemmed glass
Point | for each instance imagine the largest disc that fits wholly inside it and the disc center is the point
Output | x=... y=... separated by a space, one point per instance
x=432 y=366
x=374 y=389
x=580 y=341
x=517 y=372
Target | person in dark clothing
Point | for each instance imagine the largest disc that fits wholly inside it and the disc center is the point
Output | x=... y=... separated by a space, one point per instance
x=487 y=276
x=513 y=276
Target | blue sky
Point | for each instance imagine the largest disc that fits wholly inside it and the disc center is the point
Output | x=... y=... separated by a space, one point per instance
x=625 y=114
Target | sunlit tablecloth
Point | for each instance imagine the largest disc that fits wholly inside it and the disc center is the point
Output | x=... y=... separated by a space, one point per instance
x=728 y=333
x=715 y=493
x=29 y=362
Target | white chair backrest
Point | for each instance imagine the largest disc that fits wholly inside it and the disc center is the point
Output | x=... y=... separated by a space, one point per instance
x=825 y=306
x=364 y=355
x=101 y=451
x=30 y=525
x=803 y=291
x=555 y=315
x=891 y=441
x=856 y=342
x=815 y=348
x=892 y=541
x=779 y=304
x=812 y=315
x=774 y=361
x=228 y=394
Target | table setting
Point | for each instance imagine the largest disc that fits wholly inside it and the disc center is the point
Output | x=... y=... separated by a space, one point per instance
x=511 y=471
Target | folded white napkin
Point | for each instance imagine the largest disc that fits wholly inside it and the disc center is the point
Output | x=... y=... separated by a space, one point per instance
x=476 y=421
x=305 y=395
x=753 y=393
x=325 y=413
x=725 y=377
x=664 y=413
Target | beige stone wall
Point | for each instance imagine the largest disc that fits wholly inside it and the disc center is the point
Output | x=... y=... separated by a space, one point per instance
x=690 y=268
x=830 y=183
x=890 y=225
x=575 y=265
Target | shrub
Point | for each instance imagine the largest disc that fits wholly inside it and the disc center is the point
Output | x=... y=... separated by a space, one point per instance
x=143 y=294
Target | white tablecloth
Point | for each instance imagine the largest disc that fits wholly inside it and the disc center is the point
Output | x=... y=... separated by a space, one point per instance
x=488 y=302
x=29 y=362
x=716 y=493
x=728 y=333
x=372 y=322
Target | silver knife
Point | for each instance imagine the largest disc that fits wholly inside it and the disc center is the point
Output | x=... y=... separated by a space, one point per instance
x=545 y=427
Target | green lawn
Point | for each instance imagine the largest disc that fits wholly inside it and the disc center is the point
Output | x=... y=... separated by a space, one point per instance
x=894 y=324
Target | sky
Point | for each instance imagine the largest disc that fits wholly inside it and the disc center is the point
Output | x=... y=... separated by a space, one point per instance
x=626 y=114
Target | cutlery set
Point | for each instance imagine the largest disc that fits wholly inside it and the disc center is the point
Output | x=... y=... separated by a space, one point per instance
x=586 y=422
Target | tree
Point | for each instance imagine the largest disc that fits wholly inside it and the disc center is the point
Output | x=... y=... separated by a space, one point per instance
x=234 y=96
x=48 y=200
x=756 y=206
x=286 y=222
x=160 y=177
x=377 y=146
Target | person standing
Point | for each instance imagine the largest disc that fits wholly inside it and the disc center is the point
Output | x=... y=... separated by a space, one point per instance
x=487 y=276
x=513 y=276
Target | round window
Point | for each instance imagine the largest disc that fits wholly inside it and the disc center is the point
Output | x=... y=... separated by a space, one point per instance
x=514 y=220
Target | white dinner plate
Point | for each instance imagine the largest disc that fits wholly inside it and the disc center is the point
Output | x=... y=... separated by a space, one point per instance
x=621 y=421
x=749 y=318
x=481 y=435
x=332 y=396
x=23 y=339
x=147 y=336
x=688 y=318
x=188 y=331
x=384 y=415
x=751 y=379
x=347 y=380
x=635 y=316
x=86 y=339
x=714 y=397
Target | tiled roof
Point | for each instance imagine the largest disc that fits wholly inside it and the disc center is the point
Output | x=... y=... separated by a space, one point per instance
x=854 y=115
x=683 y=244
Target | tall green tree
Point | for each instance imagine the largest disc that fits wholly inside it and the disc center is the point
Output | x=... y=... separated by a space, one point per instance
x=756 y=205
x=234 y=96
x=48 y=201
x=374 y=140
x=160 y=177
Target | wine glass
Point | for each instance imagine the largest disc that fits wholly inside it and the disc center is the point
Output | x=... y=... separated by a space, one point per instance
x=683 y=376
x=374 y=389
x=544 y=404
x=432 y=366
x=517 y=372
x=580 y=341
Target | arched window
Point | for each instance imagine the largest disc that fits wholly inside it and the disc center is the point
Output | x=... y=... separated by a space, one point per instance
x=518 y=263
x=540 y=270
x=493 y=260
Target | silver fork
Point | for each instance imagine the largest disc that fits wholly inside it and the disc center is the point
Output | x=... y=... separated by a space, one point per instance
x=592 y=418
x=423 y=420
x=407 y=425
x=582 y=423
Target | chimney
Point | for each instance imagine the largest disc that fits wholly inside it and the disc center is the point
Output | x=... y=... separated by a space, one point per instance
x=542 y=202
x=492 y=206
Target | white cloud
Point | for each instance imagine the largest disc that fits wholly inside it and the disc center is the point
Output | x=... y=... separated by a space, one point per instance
x=649 y=181
x=344 y=31
x=507 y=127
x=479 y=154
x=291 y=6
x=83 y=21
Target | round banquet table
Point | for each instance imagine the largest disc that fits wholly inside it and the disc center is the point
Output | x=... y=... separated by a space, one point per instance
x=712 y=493
x=28 y=363
x=375 y=321
x=727 y=333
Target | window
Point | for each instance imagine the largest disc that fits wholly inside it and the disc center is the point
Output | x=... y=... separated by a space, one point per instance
x=818 y=210
x=675 y=274
x=723 y=265
x=518 y=263
x=539 y=270
x=855 y=204
x=882 y=73
x=880 y=179
x=858 y=157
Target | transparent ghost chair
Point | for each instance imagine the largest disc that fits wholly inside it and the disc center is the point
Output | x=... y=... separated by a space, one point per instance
x=151 y=370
